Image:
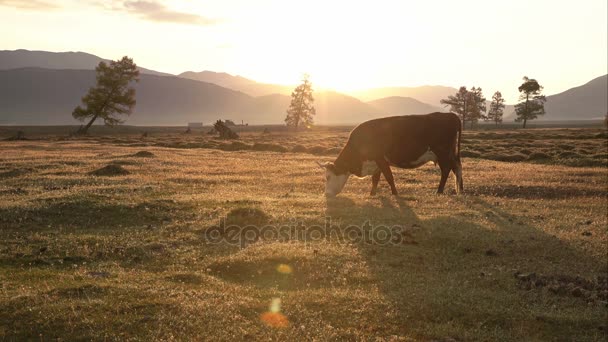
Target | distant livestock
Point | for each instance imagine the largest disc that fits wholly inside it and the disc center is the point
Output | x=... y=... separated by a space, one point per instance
x=402 y=141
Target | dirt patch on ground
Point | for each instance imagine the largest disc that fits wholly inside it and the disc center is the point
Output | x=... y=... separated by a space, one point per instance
x=565 y=285
x=110 y=170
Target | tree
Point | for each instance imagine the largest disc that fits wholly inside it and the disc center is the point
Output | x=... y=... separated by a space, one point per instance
x=111 y=96
x=497 y=107
x=469 y=105
x=224 y=131
x=533 y=102
x=476 y=105
x=301 y=109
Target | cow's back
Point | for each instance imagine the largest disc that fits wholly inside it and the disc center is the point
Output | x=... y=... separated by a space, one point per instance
x=403 y=138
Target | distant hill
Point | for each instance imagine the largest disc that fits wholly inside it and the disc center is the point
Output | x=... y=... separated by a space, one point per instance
x=426 y=94
x=397 y=105
x=38 y=88
x=589 y=101
x=55 y=60
x=239 y=83
x=36 y=96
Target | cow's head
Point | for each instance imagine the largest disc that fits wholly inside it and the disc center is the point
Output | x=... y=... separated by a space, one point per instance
x=334 y=180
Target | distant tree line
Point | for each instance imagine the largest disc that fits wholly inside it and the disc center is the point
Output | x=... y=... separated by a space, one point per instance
x=470 y=105
x=113 y=96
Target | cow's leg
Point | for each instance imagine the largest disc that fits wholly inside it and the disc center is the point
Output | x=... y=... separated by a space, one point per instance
x=385 y=168
x=375 y=180
x=445 y=172
x=457 y=169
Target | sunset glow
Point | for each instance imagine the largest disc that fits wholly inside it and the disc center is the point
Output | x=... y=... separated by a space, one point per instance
x=343 y=45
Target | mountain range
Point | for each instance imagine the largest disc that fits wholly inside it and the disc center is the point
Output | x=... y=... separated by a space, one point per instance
x=589 y=101
x=42 y=88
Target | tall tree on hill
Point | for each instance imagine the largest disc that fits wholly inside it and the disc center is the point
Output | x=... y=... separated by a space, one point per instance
x=469 y=105
x=533 y=102
x=111 y=96
x=301 y=109
x=497 y=107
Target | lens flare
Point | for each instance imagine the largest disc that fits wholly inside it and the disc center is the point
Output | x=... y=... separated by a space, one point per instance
x=284 y=269
x=274 y=318
x=275 y=305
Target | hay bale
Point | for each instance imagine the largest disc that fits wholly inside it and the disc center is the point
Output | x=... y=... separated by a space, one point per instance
x=110 y=170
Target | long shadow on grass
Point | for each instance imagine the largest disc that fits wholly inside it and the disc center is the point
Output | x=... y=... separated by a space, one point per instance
x=455 y=278
x=80 y=230
x=84 y=213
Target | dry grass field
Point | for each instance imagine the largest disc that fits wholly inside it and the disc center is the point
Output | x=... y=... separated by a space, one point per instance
x=110 y=238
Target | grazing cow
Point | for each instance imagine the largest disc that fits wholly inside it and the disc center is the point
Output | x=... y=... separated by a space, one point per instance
x=402 y=141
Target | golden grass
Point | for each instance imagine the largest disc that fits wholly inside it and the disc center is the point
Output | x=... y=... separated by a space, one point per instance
x=125 y=257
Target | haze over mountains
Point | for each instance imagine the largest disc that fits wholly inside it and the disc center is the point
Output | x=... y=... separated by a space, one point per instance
x=588 y=101
x=42 y=88
x=239 y=83
x=55 y=60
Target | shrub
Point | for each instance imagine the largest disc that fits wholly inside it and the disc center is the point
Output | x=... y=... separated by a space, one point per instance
x=224 y=131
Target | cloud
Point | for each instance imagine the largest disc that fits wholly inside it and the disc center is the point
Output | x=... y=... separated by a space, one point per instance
x=29 y=4
x=156 y=11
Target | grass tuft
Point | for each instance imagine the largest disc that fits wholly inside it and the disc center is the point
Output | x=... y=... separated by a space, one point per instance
x=110 y=170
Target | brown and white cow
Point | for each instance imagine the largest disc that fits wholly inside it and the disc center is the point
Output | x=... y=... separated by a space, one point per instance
x=402 y=141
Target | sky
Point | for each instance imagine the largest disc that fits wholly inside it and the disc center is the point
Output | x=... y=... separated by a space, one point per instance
x=342 y=45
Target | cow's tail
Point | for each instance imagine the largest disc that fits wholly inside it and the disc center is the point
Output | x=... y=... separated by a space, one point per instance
x=458 y=140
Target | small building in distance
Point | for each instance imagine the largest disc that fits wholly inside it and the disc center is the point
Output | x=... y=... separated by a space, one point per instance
x=195 y=124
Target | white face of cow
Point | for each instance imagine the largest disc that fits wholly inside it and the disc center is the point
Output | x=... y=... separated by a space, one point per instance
x=333 y=183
